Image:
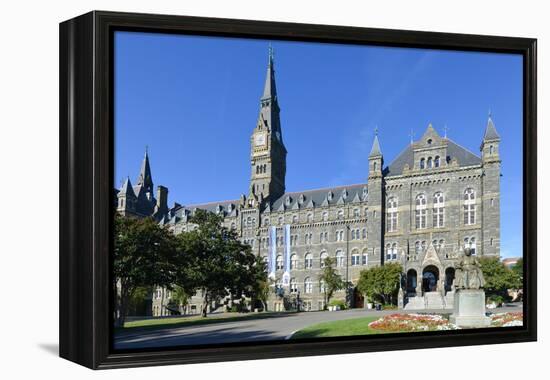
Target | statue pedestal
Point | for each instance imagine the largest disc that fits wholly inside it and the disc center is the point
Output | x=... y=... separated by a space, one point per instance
x=469 y=309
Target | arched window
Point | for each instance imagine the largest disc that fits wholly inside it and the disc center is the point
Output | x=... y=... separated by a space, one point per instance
x=356 y=213
x=293 y=285
x=325 y=216
x=308 y=285
x=309 y=217
x=280 y=220
x=391 y=251
x=355 y=258
x=266 y=222
x=375 y=166
x=340 y=259
x=293 y=261
x=422 y=163
x=437 y=161
x=491 y=149
x=420 y=211
x=439 y=210
x=365 y=257
x=429 y=163
x=308 y=261
x=233 y=226
x=322 y=286
x=470 y=242
x=364 y=233
x=322 y=259
x=392 y=215
x=279 y=262
x=340 y=214
x=469 y=206
x=294 y=219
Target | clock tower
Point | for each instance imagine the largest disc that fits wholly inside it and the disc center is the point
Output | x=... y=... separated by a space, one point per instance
x=267 y=150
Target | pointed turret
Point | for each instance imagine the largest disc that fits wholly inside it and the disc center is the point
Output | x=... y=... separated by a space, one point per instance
x=145 y=179
x=375 y=150
x=490 y=144
x=127 y=189
x=375 y=158
x=490 y=131
x=126 y=198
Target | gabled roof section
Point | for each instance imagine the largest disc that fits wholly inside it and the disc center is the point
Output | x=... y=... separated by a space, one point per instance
x=463 y=156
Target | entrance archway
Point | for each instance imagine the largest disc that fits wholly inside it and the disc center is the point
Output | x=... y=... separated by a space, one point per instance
x=430 y=277
x=449 y=279
x=411 y=281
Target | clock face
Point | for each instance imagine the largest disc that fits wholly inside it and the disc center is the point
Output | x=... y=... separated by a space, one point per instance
x=259 y=139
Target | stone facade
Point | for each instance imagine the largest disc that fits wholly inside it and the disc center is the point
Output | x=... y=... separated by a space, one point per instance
x=432 y=200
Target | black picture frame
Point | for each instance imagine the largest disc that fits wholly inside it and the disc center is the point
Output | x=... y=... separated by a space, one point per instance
x=86 y=186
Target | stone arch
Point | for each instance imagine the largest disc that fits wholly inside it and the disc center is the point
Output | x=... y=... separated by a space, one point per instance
x=412 y=279
x=449 y=278
x=430 y=278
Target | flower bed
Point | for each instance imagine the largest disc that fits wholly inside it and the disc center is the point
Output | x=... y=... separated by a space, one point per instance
x=435 y=322
x=411 y=322
x=507 y=319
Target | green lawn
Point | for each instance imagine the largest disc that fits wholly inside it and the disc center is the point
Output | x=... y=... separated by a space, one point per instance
x=163 y=323
x=346 y=327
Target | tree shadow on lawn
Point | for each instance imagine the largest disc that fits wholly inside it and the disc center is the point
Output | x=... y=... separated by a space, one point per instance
x=221 y=335
x=173 y=323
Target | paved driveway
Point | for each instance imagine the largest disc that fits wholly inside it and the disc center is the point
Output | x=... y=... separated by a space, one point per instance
x=278 y=327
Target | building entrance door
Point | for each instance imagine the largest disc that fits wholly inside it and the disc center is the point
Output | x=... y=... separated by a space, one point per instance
x=430 y=277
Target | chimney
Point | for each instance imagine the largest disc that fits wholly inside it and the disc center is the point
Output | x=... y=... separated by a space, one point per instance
x=162 y=199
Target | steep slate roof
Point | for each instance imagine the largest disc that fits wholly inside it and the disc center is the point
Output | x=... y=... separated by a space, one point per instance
x=318 y=196
x=462 y=155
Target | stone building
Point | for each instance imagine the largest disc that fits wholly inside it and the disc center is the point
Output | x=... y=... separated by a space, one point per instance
x=433 y=199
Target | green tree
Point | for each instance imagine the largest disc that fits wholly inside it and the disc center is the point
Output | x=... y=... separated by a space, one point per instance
x=144 y=256
x=217 y=264
x=518 y=268
x=179 y=298
x=333 y=281
x=381 y=283
x=498 y=277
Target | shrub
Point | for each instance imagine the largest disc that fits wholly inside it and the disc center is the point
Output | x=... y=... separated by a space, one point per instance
x=340 y=303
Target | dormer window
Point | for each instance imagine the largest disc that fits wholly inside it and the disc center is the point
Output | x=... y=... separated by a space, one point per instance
x=288 y=200
x=330 y=195
x=302 y=198
x=344 y=194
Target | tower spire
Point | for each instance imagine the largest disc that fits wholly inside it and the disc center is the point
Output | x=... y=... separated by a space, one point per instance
x=145 y=179
x=490 y=130
x=375 y=150
x=270 y=89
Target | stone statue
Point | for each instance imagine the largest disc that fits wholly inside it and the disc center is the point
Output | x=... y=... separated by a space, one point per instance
x=468 y=273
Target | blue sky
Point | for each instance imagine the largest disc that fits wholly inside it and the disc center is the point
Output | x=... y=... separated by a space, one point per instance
x=194 y=102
